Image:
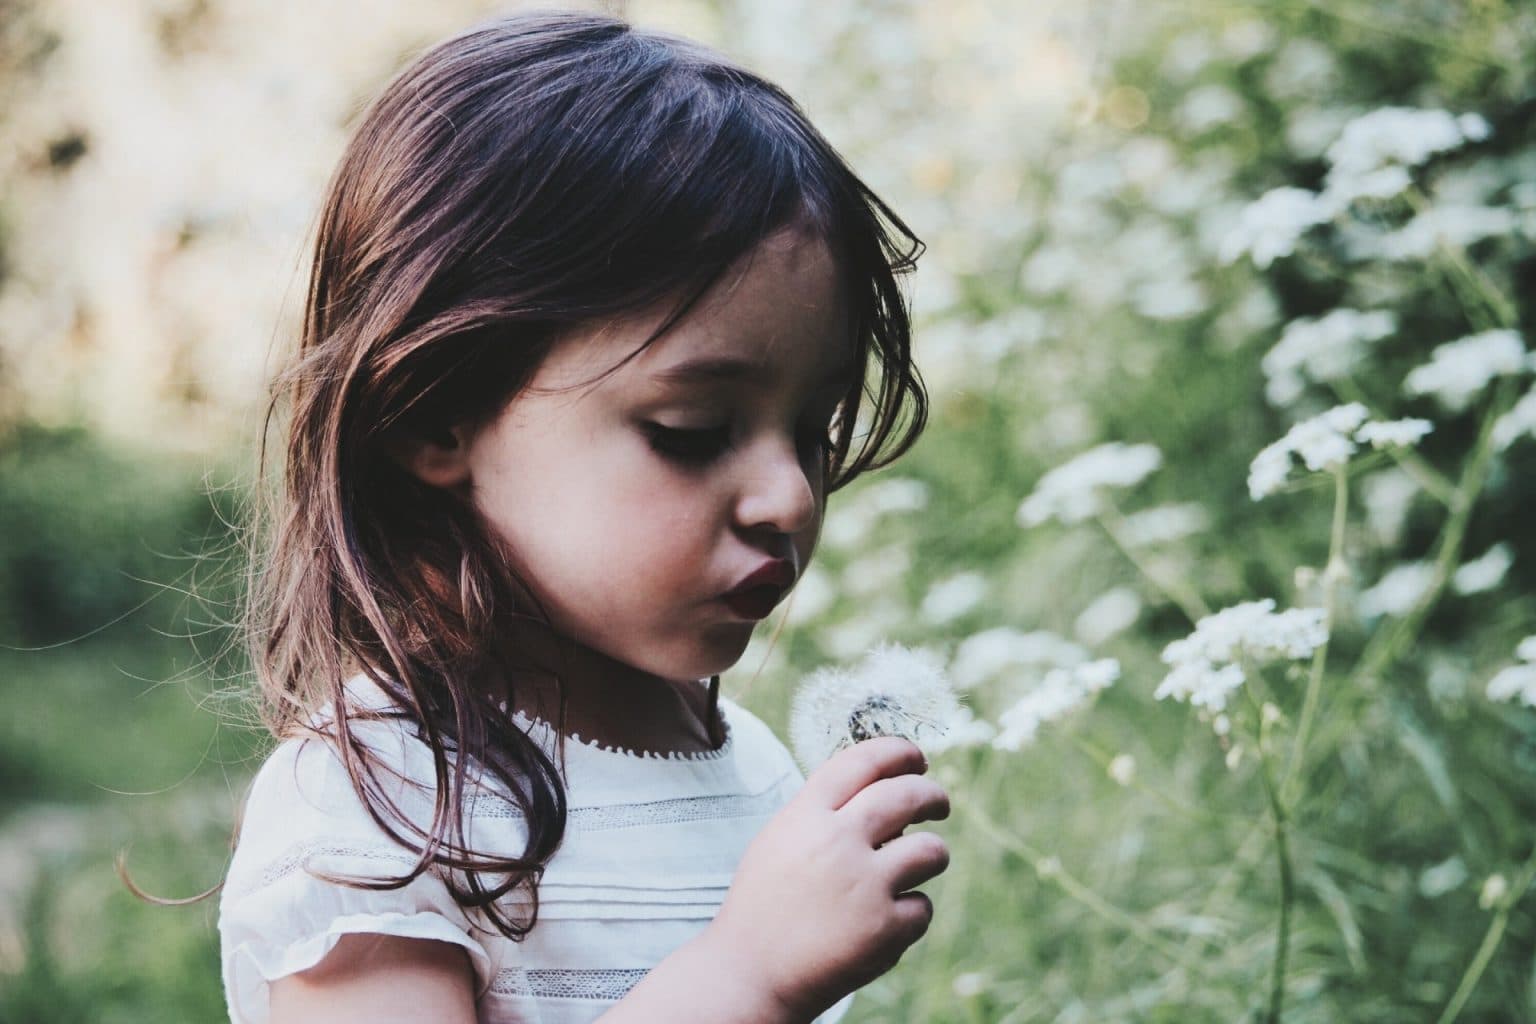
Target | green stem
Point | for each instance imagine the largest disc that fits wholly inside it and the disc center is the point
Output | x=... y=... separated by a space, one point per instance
x=1078 y=891
x=1333 y=572
x=1384 y=646
x=1490 y=943
x=1177 y=591
x=1287 y=892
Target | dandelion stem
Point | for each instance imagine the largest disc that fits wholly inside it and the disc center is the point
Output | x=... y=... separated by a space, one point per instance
x=1177 y=591
x=1287 y=890
x=1078 y=891
x=1333 y=572
x=1490 y=943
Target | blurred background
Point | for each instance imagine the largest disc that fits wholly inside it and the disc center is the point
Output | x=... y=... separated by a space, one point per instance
x=1083 y=175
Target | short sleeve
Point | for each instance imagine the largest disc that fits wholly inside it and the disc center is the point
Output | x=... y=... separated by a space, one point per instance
x=303 y=819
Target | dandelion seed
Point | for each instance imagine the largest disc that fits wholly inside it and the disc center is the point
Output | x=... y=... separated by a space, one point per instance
x=1459 y=369
x=1059 y=693
x=892 y=691
x=1486 y=572
x=1074 y=491
x=1206 y=667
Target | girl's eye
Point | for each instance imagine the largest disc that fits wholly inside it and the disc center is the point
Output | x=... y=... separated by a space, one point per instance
x=694 y=447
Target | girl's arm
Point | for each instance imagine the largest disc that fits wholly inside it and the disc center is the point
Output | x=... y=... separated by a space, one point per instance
x=380 y=979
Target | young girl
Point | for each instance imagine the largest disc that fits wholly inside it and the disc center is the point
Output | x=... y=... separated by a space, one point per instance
x=592 y=318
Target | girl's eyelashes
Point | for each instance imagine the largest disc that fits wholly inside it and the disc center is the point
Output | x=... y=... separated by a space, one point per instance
x=687 y=445
x=698 y=446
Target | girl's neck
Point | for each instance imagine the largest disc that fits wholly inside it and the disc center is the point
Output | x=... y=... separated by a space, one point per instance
x=608 y=702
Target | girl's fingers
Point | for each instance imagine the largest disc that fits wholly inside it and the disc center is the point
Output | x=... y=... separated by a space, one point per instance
x=915 y=911
x=912 y=860
x=849 y=771
x=886 y=806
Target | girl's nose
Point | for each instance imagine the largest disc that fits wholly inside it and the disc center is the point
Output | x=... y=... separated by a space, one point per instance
x=778 y=492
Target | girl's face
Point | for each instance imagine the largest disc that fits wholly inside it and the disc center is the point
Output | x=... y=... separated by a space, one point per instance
x=630 y=506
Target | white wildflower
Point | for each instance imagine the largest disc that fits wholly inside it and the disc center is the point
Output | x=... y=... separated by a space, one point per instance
x=1322 y=442
x=1270 y=226
x=1324 y=349
x=987 y=654
x=1208 y=107
x=1485 y=573
x=1443 y=877
x=1398 y=591
x=1387 y=497
x=1074 y=491
x=1519 y=421
x=1459 y=369
x=898 y=494
x=1495 y=888
x=1518 y=681
x=1122 y=768
x=1060 y=692
x=1107 y=615
x=1221 y=725
x=876 y=572
x=1382 y=183
x=1164 y=523
x=1447 y=225
x=953 y=597
x=969 y=984
x=892 y=691
x=1399 y=136
x=1394 y=433
x=1207 y=666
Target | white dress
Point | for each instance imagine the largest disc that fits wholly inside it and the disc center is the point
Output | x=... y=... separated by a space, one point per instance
x=650 y=847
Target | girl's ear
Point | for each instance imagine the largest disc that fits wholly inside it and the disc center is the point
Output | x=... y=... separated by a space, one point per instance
x=439 y=457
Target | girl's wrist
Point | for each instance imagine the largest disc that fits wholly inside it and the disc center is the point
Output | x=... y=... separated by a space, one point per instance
x=733 y=976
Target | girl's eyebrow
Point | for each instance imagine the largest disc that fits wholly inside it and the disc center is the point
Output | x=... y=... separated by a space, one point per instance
x=731 y=368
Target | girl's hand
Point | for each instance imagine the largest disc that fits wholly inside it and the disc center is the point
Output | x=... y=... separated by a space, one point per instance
x=820 y=903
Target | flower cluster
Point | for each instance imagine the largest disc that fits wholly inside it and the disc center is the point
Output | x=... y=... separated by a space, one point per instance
x=1370 y=159
x=892 y=691
x=1326 y=441
x=1323 y=349
x=1208 y=665
x=1074 y=491
x=1060 y=692
x=1459 y=369
x=1518 y=681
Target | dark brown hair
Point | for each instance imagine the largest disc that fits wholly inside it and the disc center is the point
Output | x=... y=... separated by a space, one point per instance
x=512 y=183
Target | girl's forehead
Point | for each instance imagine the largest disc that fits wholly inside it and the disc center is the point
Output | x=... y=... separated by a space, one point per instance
x=778 y=317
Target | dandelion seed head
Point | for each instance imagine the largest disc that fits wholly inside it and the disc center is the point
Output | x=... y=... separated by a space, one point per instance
x=892 y=691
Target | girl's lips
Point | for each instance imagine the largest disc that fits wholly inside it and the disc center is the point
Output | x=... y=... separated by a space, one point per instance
x=754 y=602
